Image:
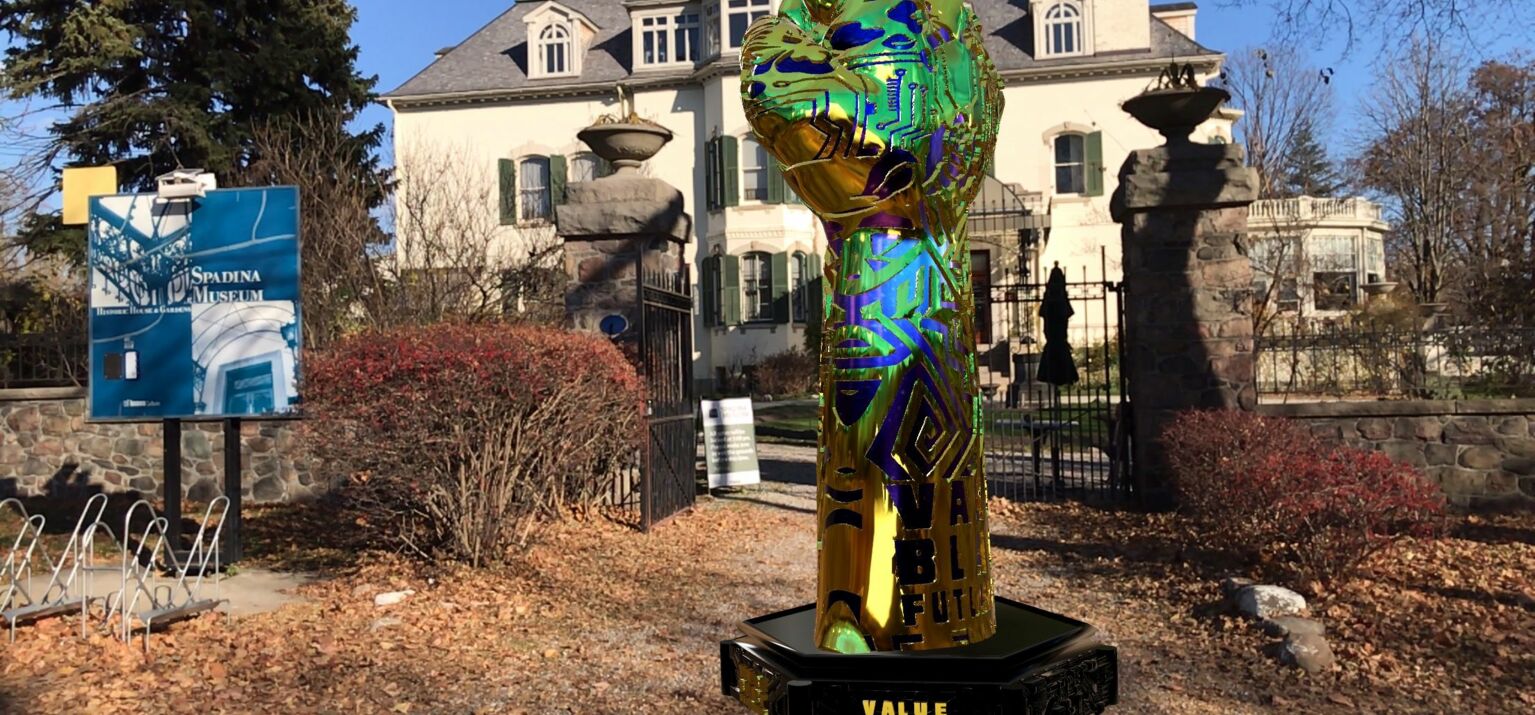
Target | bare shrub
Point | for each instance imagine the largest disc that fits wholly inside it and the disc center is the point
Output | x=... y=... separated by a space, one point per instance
x=463 y=437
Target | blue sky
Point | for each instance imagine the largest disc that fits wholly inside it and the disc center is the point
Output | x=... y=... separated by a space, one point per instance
x=397 y=39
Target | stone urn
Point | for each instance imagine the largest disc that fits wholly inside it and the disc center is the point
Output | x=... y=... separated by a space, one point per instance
x=1379 y=288
x=625 y=144
x=1176 y=105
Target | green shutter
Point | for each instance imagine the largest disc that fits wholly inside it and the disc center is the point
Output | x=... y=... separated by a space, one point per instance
x=710 y=289
x=815 y=305
x=508 y=175
x=730 y=171
x=730 y=290
x=1093 y=169
x=557 y=180
x=712 y=174
x=778 y=274
x=604 y=167
x=776 y=191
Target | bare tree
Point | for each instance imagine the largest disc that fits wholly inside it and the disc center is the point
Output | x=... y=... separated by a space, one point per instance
x=1393 y=21
x=435 y=251
x=1496 y=274
x=1281 y=97
x=1419 y=121
x=340 y=283
x=452 y=257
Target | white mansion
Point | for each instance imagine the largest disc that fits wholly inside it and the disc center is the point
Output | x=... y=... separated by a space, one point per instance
x=517 y=91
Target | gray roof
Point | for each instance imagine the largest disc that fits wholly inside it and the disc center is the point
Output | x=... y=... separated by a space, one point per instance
x=495 y=58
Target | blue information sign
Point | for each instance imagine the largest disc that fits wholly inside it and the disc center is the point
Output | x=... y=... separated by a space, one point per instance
x=194 y=307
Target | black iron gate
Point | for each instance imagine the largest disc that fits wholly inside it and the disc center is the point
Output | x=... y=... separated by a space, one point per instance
x=1042 y=441
x=668 y=475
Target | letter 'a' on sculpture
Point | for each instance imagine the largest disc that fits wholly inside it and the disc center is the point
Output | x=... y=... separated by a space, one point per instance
x=884 y=115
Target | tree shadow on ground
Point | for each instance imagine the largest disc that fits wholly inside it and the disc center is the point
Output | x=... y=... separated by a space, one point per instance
x=751 y=498
x=1504 y=529
x=317 y=535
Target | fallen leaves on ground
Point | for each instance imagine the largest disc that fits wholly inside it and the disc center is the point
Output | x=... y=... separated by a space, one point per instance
x=597 y=618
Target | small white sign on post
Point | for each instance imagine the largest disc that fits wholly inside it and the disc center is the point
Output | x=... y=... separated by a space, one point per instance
x=730 y=443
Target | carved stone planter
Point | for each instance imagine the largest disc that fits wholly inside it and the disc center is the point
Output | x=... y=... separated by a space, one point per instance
x=626 y=144
x=1176 y=112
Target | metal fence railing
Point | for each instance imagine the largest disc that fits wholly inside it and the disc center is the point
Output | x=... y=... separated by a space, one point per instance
x=1439 y=363
x=42 y=360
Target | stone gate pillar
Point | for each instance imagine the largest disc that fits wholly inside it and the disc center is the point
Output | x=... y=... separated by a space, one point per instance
x=619 y=228
x=1188 y=282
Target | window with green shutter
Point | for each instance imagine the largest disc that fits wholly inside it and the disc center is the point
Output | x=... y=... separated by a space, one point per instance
x=507 y=172
x=710 y=279
x=1093 y=146
x=779 y=277
x=712 y=174
x=558 y=176
x=730 y=290
x=730 y=171
x=815 y=319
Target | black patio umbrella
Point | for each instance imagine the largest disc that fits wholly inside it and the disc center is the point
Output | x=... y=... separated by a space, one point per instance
x=1056 y=365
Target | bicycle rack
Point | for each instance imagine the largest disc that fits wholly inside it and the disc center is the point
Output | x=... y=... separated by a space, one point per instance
x=175 y=601
x=63 y=593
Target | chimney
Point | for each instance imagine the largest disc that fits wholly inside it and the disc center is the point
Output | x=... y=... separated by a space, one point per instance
x=1178 y=15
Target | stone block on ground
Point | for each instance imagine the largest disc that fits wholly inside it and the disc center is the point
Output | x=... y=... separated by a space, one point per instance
x=1285 y=626
x=1264 y=602
x=1310 y=653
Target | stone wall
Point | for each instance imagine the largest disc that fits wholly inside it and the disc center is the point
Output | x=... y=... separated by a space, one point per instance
x=1481 y=452
x=46 y=446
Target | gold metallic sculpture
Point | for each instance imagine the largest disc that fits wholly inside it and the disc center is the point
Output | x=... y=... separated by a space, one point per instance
x=884 y=114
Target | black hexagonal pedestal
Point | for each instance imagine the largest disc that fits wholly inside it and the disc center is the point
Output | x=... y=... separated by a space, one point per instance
x=1037 y=663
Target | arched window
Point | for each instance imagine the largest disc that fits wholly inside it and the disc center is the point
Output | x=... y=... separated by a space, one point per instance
x=754 y=171
x=1063 y=29
x=799 y=282
x=586 y=166
x=533 y=188
x=1070 y=164
x=757 y=286
x=554 y=50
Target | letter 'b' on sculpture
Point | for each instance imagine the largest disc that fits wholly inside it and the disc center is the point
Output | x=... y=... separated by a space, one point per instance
x=884 y=115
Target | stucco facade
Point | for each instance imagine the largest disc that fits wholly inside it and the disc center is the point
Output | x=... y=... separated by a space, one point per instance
x=1068 y=64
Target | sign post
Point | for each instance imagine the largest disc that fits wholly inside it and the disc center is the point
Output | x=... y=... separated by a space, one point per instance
x=194 y=315
x=730 y=441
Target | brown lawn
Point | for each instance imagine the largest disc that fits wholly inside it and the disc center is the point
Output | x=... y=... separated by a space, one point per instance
x=596 y=618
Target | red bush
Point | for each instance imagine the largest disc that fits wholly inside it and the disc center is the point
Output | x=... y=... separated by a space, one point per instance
x=1260 y=485
x=1346 y=505
x=462 y=436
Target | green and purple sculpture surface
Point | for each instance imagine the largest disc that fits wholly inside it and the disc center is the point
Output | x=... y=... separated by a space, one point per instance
x=884 y=115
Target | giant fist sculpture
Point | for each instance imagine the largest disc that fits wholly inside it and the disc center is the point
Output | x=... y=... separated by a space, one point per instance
x=884 y=115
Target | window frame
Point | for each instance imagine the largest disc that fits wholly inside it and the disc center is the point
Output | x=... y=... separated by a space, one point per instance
x=1063 y=20
x=762 y=172
x=752 y=9
x=523 y=190
x=757 y=287
x=545 y=45
x=1080 y=163
x=580 y=158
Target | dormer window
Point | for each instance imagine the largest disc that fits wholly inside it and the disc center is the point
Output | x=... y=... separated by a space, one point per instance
x=554 y=50
x=668 y=39
x=557 y=40
x=1063 y=30
x=739 y=15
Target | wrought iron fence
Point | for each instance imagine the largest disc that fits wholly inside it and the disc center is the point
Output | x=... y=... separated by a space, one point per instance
x=42 y=360
x=1340 y=361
